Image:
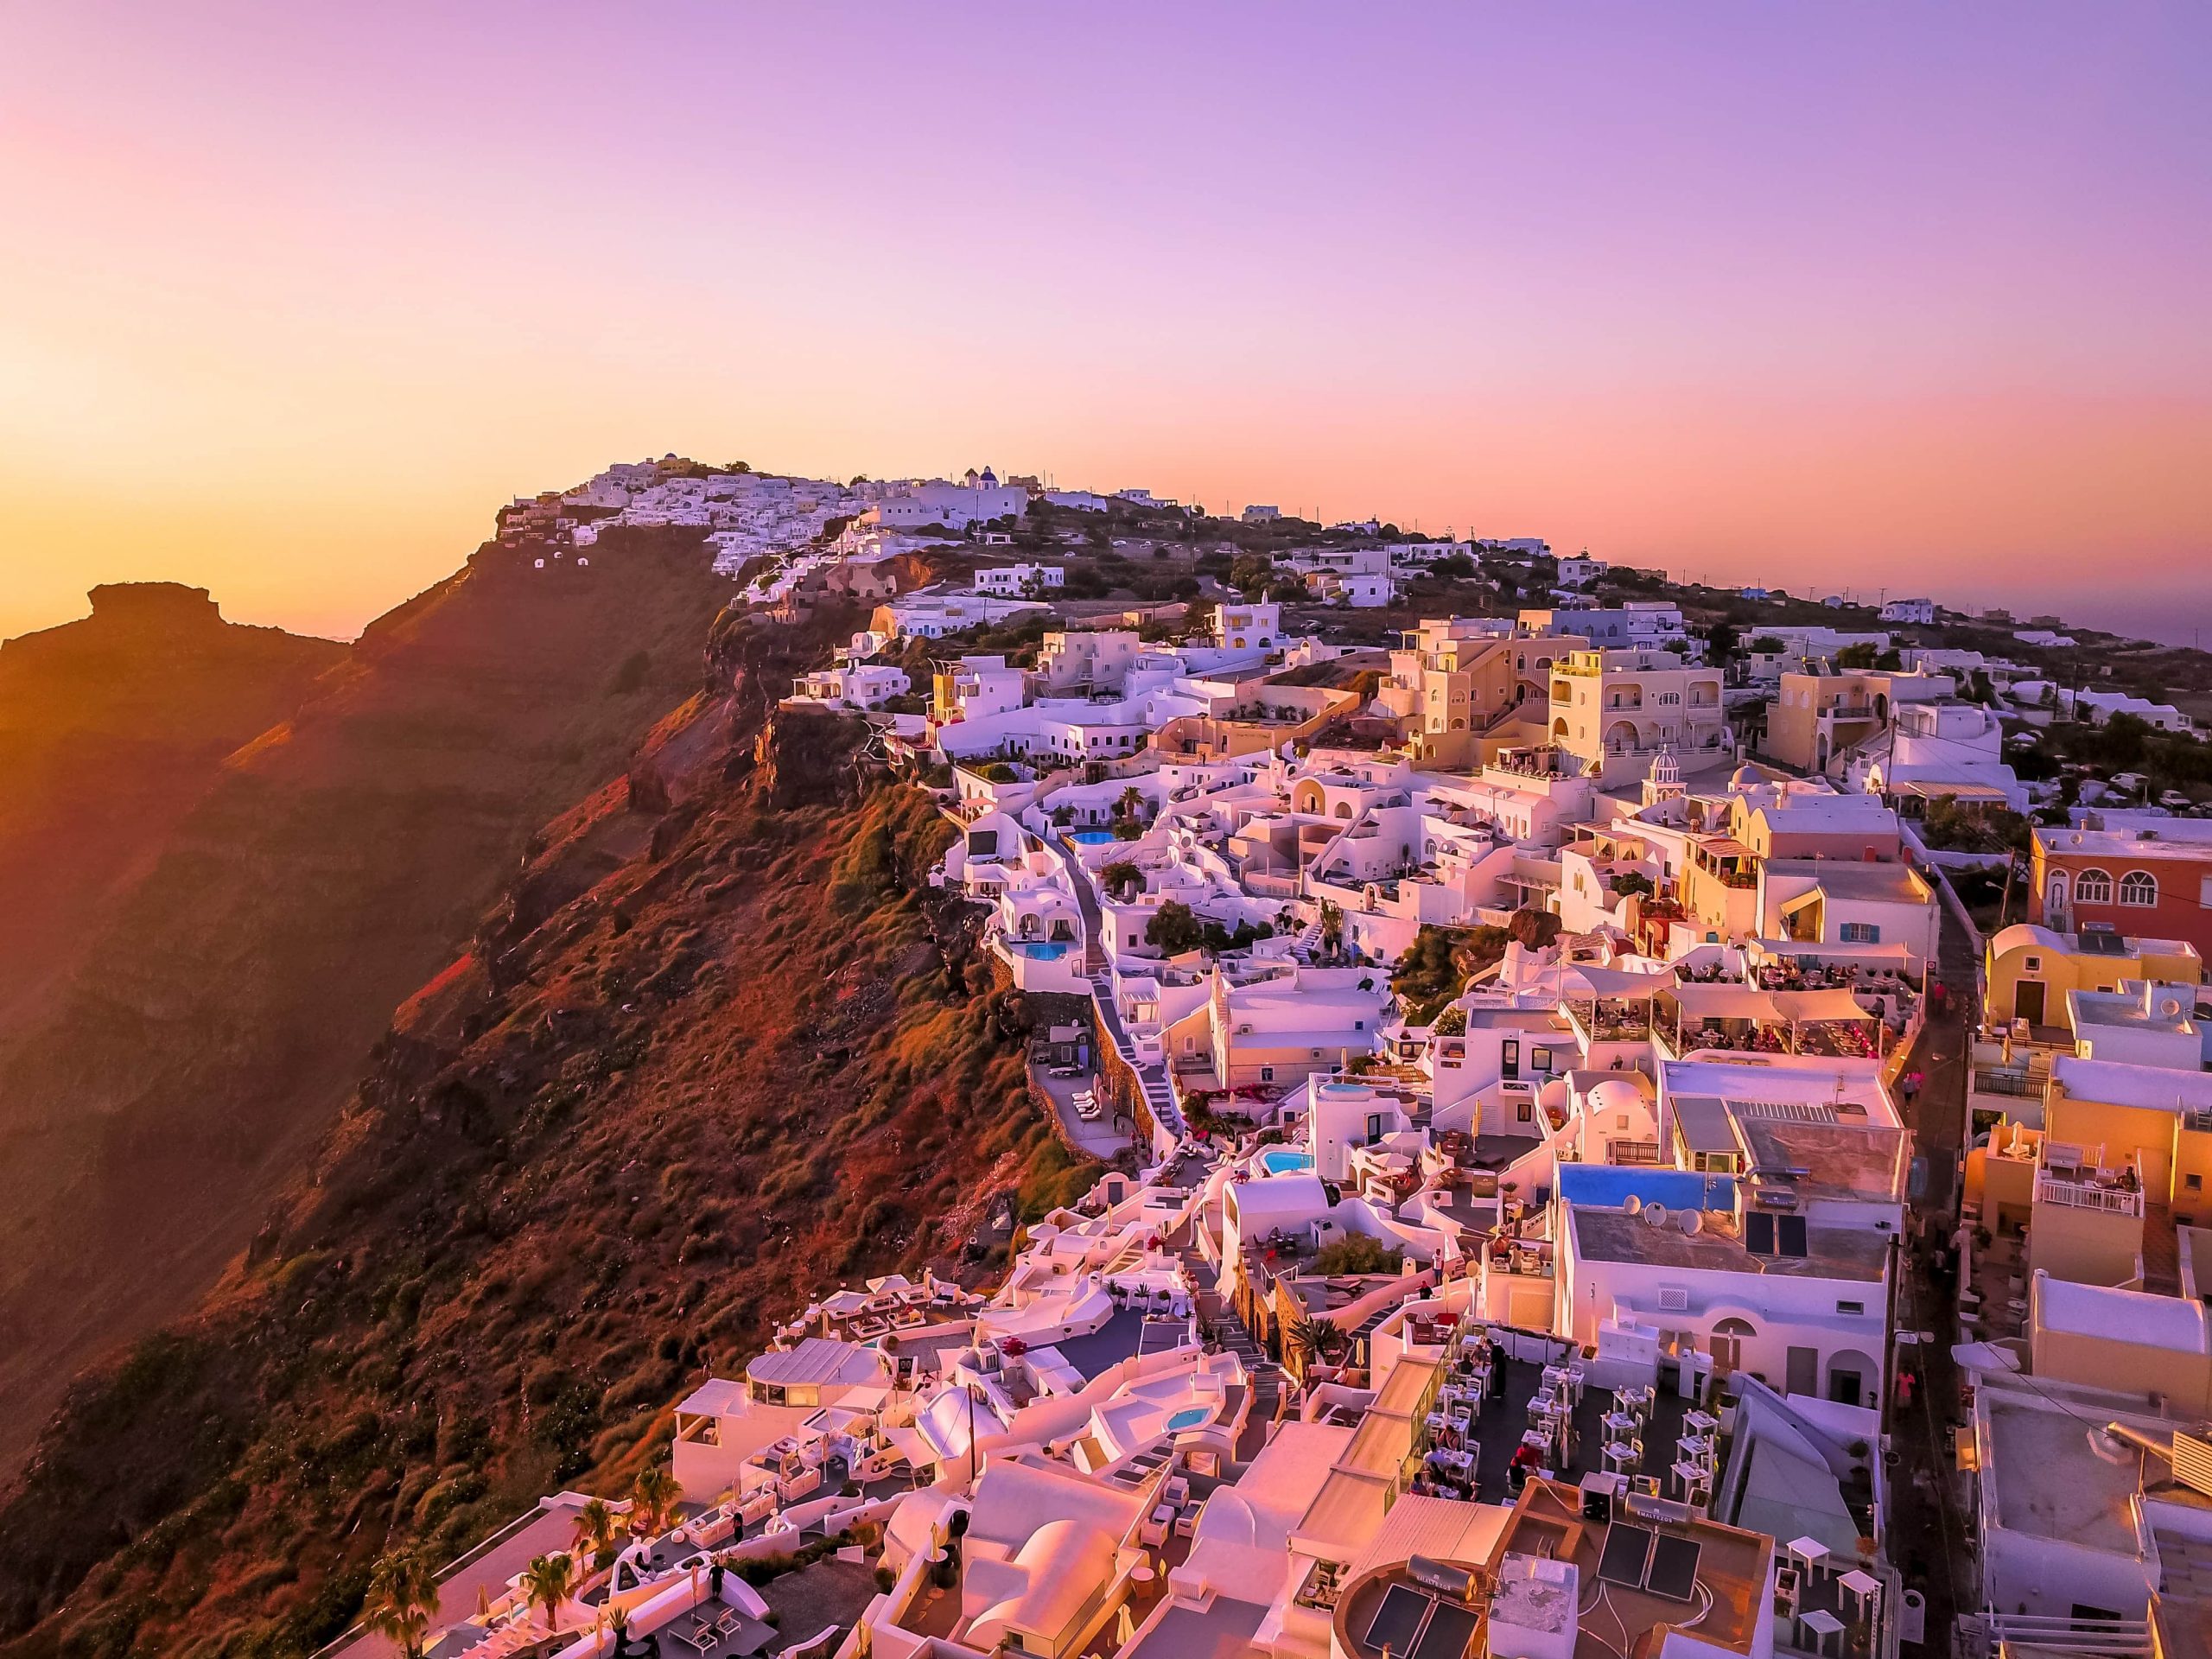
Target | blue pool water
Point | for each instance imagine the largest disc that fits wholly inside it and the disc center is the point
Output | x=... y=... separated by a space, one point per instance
x=1282 y=1160
x=1043 y=950
x=1610 y=1184
x=1189 y=1417
x=1092 y=837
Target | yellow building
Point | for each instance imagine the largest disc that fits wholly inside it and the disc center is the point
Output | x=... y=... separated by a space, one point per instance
x=2091 y=1335
x=1616 y=711
x=2125 y=1156
x=2031 y=968
x=1452 y=678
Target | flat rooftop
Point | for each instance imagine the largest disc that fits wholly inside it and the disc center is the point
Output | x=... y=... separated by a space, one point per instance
x=1831 y=1160
x=1848 y=879
x=1855 y=1254
x=2189 y=838
x=2051 y=1483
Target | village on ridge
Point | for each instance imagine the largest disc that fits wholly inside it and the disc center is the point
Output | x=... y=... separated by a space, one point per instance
x=1580 y=1179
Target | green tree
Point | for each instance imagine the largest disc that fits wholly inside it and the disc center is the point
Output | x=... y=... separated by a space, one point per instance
x=403 y=1599
x=1314 y=1341
x=1173 y=929
x=1859 y=656
x=1356 y=1253
x=547 y=1582
x=1332 y=927
x=1122 y=879
x=652 y=1501
x=596 y=1527
x=1250 y=574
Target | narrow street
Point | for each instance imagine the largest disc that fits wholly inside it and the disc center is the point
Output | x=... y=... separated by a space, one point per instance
x=1927 y=1537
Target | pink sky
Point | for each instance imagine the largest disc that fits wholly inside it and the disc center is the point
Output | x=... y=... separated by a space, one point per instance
x=1840 y=298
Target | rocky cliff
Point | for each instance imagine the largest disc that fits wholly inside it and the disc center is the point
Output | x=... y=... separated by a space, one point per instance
x=716 y=1045
x=204 y=1022
x=111 y=728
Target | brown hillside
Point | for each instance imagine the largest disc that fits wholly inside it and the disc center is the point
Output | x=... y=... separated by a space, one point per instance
x=215 y=1020
x=719 y=1046
x=110 y=730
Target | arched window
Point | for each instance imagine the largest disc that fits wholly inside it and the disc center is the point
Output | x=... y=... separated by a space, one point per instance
x=2138 y=887
x=2093 y=887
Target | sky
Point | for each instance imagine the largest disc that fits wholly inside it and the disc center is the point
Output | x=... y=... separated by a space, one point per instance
x=1867 y=298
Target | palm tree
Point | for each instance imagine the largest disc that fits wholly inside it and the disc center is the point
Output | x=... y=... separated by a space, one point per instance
x=652 y=1501
x=595 y=1527
x=547 y=1582
x=402 y=1599
x=1312 y=1340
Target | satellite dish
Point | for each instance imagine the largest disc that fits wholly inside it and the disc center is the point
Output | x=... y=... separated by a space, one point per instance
x=1632 y=1204
x=1692 y=1222
x=1655 y=1214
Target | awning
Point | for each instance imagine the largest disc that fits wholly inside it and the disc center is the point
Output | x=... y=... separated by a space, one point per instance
x=1804 y=1007
x=1928 y=790
x=1727 y=1002
x=1790 y=950
x=1620 y=982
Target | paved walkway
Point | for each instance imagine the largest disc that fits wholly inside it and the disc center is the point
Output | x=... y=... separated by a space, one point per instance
x=1267 y=1377
x=1159 y=1092
x=1928 y=1524
x=1099 y=1138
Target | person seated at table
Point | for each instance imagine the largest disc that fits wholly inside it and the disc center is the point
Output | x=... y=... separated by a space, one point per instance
x=1526 y=1461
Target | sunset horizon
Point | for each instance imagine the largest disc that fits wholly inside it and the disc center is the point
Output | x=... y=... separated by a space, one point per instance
x=300 y=301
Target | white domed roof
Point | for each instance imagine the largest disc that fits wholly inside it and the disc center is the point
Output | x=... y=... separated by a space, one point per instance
x=1618 y=1095
x=1746 y=777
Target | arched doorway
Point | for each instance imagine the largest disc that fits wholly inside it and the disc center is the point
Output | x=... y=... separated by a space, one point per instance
x=1854 y=1378
x=1726 y=1344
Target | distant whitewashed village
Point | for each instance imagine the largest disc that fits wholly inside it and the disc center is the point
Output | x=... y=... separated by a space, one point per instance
x=1635 y=1121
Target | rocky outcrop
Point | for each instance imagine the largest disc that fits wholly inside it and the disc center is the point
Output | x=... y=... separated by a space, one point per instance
x=218 y=1007
x=753 y=1057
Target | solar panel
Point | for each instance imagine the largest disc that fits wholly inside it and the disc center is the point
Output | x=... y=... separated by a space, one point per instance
x=1627 y=1549
x=1790 y=1231
x=1758 y=1234
x=1674 y=1568
x=1450 y=1630
x=1397 y=1619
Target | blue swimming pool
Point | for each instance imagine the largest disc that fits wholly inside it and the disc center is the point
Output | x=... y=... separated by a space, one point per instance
x=1609 y=1185
x=1190 y=1417
x=1043 y=950
x=1092 y=837
x=1284 y=1160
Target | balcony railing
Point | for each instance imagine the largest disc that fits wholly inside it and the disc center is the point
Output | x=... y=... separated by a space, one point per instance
x=1991 y=1080
x=2089 y=1195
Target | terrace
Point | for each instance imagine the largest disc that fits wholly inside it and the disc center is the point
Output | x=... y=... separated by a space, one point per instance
x=1746 y=1020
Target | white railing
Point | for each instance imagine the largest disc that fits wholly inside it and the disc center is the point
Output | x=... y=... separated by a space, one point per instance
x=2089 y=1195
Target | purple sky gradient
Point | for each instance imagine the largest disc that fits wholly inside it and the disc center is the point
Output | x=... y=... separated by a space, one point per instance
x=1859 y=297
